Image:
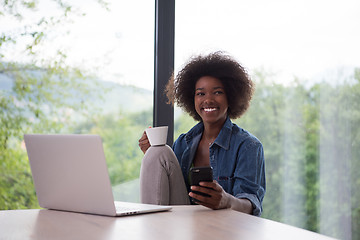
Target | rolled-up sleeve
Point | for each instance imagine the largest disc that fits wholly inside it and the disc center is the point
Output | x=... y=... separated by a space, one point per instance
x=249 y=174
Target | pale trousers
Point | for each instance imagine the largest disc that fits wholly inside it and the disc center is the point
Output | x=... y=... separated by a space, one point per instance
x=161 y=179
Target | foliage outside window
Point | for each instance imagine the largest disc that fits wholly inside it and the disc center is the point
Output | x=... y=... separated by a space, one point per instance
x=44 y=93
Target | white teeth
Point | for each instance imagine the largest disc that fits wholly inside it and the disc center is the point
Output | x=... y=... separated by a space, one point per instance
x=209 y=109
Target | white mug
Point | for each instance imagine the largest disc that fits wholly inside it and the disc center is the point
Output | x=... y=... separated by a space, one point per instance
x=157 y=135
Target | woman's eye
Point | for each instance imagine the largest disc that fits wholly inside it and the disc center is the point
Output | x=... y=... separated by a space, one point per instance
x=218 y=92
x=200 y=94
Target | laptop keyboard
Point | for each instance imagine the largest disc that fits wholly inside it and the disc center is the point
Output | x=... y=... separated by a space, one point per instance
x=124 y=209
x=120 y=208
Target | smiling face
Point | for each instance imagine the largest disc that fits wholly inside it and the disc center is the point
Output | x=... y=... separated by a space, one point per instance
x=210 y=100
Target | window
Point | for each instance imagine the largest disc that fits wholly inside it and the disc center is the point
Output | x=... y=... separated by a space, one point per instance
x=303 y=57
x=77 y=67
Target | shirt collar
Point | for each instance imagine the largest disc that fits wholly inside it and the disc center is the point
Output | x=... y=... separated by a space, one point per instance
x=223 y=139
x=195 y=131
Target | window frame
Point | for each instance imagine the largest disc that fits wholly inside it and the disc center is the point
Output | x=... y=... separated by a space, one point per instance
x=163 y=113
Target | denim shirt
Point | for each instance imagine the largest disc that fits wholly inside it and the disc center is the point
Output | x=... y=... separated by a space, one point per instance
x=237 y=159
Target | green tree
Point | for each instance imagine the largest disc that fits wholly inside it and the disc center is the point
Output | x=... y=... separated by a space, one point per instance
x=311 y=141
x=40 y=95
x=339 y=118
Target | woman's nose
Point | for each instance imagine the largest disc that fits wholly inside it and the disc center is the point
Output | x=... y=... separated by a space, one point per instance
x=209 y=98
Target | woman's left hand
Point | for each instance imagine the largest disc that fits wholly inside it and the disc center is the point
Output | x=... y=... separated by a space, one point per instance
x=218 y=197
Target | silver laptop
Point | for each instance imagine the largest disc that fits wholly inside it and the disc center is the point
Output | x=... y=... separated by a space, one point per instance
x=70 y=174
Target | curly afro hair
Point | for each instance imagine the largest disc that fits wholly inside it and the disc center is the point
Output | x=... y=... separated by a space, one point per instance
x=238 y=86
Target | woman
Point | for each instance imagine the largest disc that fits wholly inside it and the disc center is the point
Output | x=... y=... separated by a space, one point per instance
x=213 y=89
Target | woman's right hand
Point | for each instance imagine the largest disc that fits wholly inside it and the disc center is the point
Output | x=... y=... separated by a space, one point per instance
x=144 y=143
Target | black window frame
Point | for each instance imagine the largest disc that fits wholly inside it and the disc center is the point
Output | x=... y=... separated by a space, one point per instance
x=163 y=113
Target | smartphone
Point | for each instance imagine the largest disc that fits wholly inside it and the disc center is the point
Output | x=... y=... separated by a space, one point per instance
x=200 y=174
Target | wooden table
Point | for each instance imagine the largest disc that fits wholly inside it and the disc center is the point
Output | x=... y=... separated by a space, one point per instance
x=182 y=222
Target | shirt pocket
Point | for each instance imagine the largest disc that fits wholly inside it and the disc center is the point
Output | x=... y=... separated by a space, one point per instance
x=226 y=183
